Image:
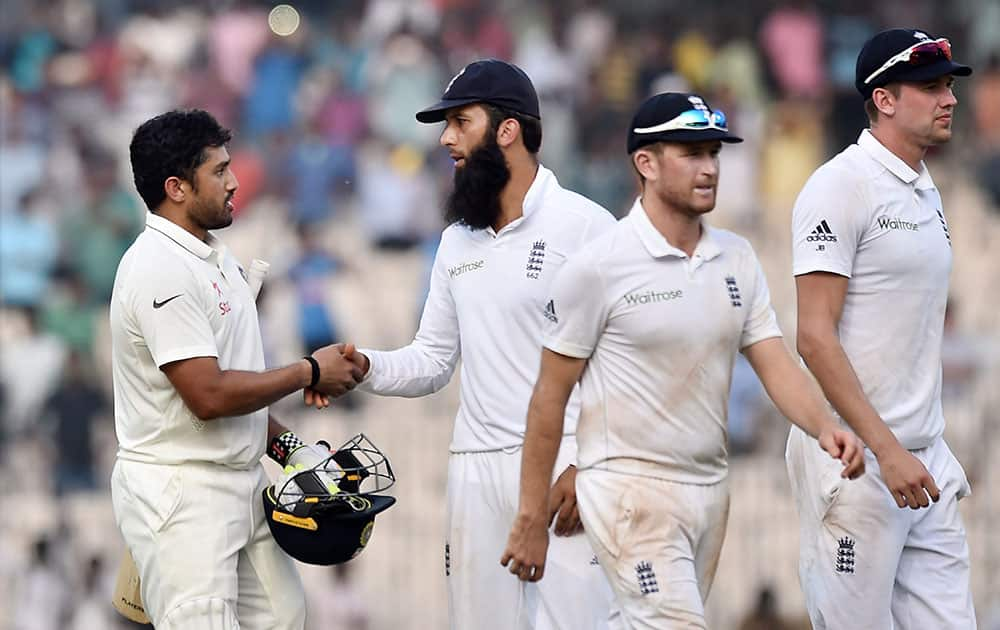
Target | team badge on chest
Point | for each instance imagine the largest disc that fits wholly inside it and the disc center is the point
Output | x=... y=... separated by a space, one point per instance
x=535 y=260
x=734 y=292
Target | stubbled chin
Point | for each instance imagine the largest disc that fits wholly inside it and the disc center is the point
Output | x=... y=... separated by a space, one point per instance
x=940 y=136
x=704 y=203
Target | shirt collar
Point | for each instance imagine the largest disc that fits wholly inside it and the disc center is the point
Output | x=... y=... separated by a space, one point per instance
x=892 y=162
x=533 y=199
x=185 y=239
x=658 y=246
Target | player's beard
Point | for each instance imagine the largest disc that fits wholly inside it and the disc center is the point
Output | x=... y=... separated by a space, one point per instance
x=475 y=199
x=210 y=216
x=683 y=200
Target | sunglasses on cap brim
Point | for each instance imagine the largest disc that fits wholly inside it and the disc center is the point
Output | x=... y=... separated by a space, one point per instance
x=920 y=54
x=693 y=119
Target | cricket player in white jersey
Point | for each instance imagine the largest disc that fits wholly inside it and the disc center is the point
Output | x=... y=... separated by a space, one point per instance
x=649 y=318
x=191 y=396
x=512 y=227
x=872 y=257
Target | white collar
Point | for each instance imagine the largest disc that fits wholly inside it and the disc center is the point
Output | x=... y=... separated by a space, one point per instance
x=534 y=198
x=658 y=246
x=893 y=163
x=187 y=240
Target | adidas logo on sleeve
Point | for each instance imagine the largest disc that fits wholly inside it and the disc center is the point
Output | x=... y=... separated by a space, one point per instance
x=822 y=233
x=550 y=312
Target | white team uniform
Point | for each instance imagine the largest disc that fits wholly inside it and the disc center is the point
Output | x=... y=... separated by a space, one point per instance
x=187 y=493
x=660 y=331
x=865 y=563
x=486 y=304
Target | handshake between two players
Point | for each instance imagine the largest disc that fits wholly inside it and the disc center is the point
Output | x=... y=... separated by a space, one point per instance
x=340 y=368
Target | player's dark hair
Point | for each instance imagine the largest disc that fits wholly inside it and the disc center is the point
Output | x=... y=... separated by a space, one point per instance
x=172 y=145
x=531 y=127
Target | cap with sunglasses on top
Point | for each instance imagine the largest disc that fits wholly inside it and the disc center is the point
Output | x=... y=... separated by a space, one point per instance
x=904 y=54
x=677 y=117
x=486 y=81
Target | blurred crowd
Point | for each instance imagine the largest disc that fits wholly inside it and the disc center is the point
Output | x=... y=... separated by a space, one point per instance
x=327 y=151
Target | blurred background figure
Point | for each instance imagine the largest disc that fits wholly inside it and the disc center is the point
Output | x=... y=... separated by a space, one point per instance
x=29 y=250
x=72 y=410
x=341 y=191
x=96 y=234
x=311 y=275
x=747 y=403
x=91 y=610
x=341 y=605
x=960 y=356
x=986 y=107
x=31 y=364
x=43 y=595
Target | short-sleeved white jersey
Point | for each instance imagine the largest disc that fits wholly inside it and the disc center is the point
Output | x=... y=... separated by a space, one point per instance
x=868 y=216
x=660 y=331
x=486 y=304
x=177 y=297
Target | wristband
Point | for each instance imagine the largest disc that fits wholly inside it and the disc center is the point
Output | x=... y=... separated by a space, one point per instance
x=282 y=446
x=315 y=370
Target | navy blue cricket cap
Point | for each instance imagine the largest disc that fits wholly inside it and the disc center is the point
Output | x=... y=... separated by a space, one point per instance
x=925 y=66
x=486 y=81
x=649 y=125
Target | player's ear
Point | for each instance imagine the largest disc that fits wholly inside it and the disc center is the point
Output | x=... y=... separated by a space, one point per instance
x=884 y=100
x=174 y=189
x=508 y=132
x=646 y=162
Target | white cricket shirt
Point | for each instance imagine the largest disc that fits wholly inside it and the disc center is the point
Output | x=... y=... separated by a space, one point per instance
x=486 y=304
x=661 y=331
x=868 y=216
x=177 y=297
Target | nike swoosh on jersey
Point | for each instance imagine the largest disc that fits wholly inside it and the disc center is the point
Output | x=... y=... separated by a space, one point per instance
x=159 y=304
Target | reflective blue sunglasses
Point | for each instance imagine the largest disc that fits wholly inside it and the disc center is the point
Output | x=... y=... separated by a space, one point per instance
x=695 y=119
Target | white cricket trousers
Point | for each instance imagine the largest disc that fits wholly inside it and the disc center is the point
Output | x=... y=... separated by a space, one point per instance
x=658 y=542
x=201 y=543
x=866 y=563
x=482 y=594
